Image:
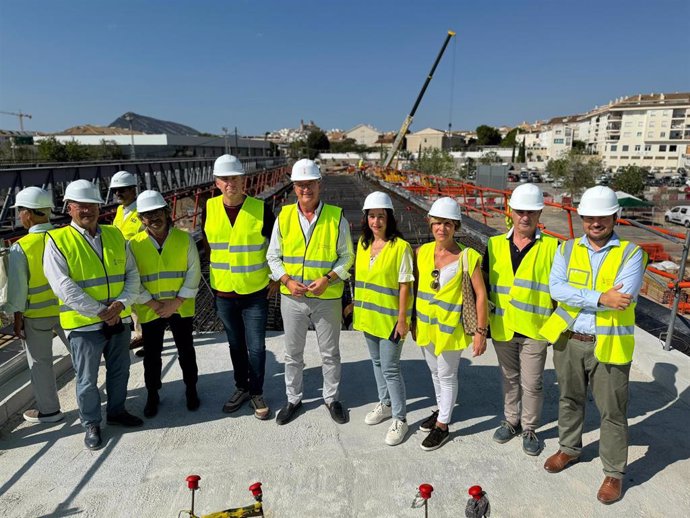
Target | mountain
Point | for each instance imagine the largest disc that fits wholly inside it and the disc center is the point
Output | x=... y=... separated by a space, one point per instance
x=150 y=125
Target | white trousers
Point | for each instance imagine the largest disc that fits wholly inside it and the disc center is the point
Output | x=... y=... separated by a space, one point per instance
x=444 y=374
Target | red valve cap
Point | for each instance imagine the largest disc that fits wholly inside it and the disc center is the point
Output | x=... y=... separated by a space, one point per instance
x=476 y=492
x=255 y=488
x=193 y=481
x=425 y=491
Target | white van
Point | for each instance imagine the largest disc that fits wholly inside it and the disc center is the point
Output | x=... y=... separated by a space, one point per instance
x=679 y=214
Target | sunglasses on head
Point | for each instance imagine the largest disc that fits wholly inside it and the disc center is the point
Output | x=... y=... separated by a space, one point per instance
x=435 y=283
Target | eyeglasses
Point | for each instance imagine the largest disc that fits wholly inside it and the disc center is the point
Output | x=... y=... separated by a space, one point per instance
x=120 y=190
x=151 y=213
x=435 y=283
x=306 y=185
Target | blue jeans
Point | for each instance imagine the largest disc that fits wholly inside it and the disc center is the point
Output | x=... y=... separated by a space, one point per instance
x=385 y=356
x=87 y=349
x=244 y=319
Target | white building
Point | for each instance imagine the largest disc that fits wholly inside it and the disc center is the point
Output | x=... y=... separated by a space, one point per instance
x=647 y=130
x=363 y=134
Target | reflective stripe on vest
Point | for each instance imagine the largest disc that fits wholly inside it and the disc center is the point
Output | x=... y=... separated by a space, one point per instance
x=377 y=290
x=522 y=300
x=306 y=263
x=162 y=274
x=439 y=314
x=41 y=302
x=615 y=330
x=130 y=226
x=238 y=252
x=85 y=266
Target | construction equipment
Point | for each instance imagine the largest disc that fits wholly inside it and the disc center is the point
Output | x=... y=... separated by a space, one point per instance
x=20 y=115
x=408 y=120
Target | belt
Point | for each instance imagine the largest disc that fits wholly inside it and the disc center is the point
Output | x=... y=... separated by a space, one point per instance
x=581 y=337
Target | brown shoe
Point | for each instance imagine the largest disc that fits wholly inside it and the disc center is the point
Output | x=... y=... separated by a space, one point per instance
x=610 y=491
x=136 y=343
x=559 y=461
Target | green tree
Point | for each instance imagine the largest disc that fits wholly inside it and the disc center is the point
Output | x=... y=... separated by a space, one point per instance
x=630 y=179
x=522 y=158
x=436 y=162
x=76 y=152
x=107 y=150
x=575 y=170
x=488 y=136
x=50 y=150
x=579 y=146
x=490 y=158
x=509 y=140
x=317 y=141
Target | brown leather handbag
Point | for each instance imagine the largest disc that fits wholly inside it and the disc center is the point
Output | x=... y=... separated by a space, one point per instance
x=469 y=300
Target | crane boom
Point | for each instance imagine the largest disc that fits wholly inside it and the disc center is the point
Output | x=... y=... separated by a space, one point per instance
x=19 y=115
x=408 y=120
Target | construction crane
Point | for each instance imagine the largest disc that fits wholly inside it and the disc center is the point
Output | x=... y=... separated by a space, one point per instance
x=408 y=120
x=21 y=115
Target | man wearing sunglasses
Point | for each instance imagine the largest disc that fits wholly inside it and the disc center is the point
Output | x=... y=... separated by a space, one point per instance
x=33 y=302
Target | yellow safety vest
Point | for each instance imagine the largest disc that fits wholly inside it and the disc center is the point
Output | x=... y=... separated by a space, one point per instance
x=238 y=252
x=101 y=279
x=377 y=289
x=41 y=301
x=615 y=330
x=305 y=263
x=162 y=273
x=130 y=226
x=523 y=301
x=439 y=313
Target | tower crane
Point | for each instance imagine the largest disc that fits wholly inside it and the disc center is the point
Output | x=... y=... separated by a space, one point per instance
x=21 y=115
x=408 y=120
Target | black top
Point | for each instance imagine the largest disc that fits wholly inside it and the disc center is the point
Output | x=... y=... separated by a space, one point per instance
x=516 y=255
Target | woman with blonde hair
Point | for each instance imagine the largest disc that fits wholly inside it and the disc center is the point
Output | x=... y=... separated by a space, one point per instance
x=439 y=309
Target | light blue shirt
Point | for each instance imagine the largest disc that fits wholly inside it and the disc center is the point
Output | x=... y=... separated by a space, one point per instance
x=630 y=276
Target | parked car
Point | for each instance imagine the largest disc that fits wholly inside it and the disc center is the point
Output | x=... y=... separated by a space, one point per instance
x=558 y=184
x=679 y=214
x=546 y=177
x=534 y=177
x=524 y=177
x=512 y=177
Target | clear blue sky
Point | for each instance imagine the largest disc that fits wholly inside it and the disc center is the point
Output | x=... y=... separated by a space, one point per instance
x=264 y=65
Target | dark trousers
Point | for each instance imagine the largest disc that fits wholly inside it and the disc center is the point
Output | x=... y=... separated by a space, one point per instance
x=244 y=319
x=152 y=333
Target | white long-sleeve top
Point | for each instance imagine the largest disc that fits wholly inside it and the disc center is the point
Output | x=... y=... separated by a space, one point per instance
x=57 y=272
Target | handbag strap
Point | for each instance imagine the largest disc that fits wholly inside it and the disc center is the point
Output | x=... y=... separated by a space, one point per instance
x=465 y=261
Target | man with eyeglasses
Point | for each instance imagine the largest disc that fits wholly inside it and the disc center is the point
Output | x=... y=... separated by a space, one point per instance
x=310 y=253
x=517 y=265
x=33 y=302
x=95 y=278
x=237 y=228
x=168 y=264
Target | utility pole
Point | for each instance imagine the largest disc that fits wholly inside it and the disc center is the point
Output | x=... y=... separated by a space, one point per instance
x=225 y=137
x=21 y=116
x=237 y=143
x=132 y=152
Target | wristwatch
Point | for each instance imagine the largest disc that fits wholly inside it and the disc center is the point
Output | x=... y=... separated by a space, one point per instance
x=330 y=279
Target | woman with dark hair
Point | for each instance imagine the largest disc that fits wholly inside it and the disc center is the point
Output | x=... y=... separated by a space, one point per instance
x=383 y=307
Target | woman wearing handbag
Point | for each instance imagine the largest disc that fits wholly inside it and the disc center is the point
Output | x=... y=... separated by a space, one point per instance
x=383 y=307
x=451 y=312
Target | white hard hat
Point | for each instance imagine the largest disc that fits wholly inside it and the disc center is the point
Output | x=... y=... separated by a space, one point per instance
x=527 y=197
x=227 y=165
x=82 y=191
x=598 y=201
x=305 y=170
x=123 y=179
x=33 y=198
x=446 y=208
x=377 y=200
x=150 y=200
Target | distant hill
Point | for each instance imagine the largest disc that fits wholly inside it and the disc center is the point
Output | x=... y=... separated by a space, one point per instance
x=150 y=125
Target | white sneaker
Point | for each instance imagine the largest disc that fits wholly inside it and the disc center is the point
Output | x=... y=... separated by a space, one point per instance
x=378 y=414
x=396 y=433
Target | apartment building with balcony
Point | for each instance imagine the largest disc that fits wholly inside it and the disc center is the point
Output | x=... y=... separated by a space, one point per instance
x=647 y=130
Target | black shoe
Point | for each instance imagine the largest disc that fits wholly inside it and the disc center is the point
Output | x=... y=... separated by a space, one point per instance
x=429 y=423
x=506 y=432
x=151 y=407
x=139 y=353
x=337 y=412
x=287 y=413
x=192 y=399
x=436 y=438
x=92 y=438
x=126 y=419
x=236 y=401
